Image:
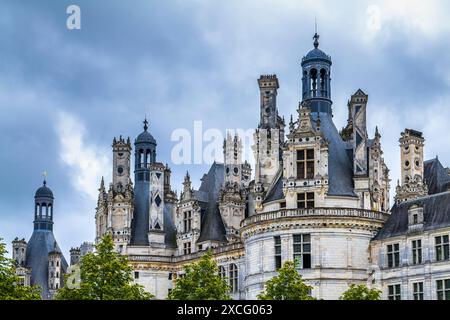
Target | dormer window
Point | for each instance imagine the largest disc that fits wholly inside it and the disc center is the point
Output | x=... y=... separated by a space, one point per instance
x=305 y=164
x=415 y=218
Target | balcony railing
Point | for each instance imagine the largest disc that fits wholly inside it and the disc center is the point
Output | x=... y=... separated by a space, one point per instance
x=315 y=212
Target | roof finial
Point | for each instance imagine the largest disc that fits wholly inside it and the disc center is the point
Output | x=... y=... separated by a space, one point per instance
x=316 y=35
x=145 y=123
x=44 y=174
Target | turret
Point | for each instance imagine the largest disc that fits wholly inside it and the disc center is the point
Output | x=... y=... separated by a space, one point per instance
x=54 y=271
x=412 y=168
x=121 y=163
x=19 y=251
x=75 y=255
x=43 y=208
x=145 y=156
x=316 y=79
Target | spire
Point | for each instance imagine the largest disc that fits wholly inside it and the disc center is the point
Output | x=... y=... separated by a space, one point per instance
x=44 y=174
x=377 y=133
x=316 y=36
x=102 y=184
x=145 y=124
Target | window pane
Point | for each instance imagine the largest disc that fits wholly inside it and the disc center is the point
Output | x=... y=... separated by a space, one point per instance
x=301 y=196
x=306 y=238
x=310 y=154
x=438 y=240
x=297 y=238
x=307 y=248
x=301 y=170
x=310 y=195
x=297 y=248
x=439 y=284
x=306 y=261
x=301 y=155
x=310 y=170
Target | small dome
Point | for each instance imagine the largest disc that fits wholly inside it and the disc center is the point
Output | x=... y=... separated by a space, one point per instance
x=145 y=137
x=44 y=192
x=316 y=54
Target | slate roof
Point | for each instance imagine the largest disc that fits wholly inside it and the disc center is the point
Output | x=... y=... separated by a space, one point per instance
x=340 y=165
x=436 y=206
x=436 y=176
x=212 y=227
x=169 y=227
x=41 y=243
x=276 y=193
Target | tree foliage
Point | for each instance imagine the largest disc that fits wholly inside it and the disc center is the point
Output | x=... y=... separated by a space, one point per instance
x=287 y=285
x=104 y=275
x=10 y=287
x=201 y=281
x=360 y=292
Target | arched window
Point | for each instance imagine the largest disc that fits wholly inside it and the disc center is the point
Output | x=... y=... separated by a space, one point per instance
x=222 y=272
x=141 y=158
x=233 y=278
x=313 y=75
x=323 y=82
x=50 y=211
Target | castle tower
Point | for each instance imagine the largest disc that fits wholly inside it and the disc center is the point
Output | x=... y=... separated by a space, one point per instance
x=412 y=168
x=75 y=255
x=19 y=251
x=316 y=79
x=145 y=156
x=236 y=171
x=269 y=137
x=121 y=163
x=54 y=271
x=232 y=198
x=357 y=116
x=42 y=243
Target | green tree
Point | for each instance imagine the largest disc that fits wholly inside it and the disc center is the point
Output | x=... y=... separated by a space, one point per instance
x=104 y=275
x=10 y=287
x=201 y=281
x=360 y=292
x=288 y=285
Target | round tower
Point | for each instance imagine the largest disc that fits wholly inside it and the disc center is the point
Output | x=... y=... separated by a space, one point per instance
x=145 y=156
x=54 y=271
x=43 y=208
x=316 y=79
x=75 y=255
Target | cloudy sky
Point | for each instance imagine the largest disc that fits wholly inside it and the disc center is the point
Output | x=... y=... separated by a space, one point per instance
x=64 y=94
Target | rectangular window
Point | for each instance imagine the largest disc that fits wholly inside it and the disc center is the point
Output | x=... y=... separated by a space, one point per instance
x=136 y=274
x=393 y=255
x=305 y=200
x=443 y=289
x=187 y=248
x=394 y=292
x=305 y=164
x=442 y=248
x=187 y=221
x=417 y=251
x=302 y=251
x=277 y=241
x=415 y=218
x=418 y=291
x=283 y=204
